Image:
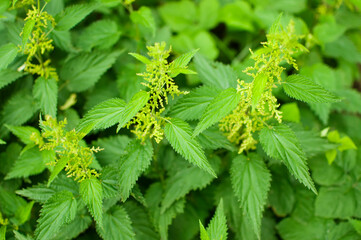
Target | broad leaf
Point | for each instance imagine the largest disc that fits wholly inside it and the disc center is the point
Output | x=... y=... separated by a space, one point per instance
x=251 y=182
x=26 y=33
x=304 y=89
x=117 y=225
x=217 y=228
x=72 y=15
x=81 y=222
x=29 y=163
x=221 y=105
x=58 y=210
x=179 y=135
x=60 y=165
x=8 y=53
x=45 y=91
x=135 y=104
x=8 y=76
x=203 y=231
x=83 y=70
x=215 y=74
x=178 y=185
x=281 y=143
x=144 y=17
x=91 y=192
x=192 y=105
x=40 y=193
x=24 y=133
x=103 y=115
x=132 y=164
x=179 y=65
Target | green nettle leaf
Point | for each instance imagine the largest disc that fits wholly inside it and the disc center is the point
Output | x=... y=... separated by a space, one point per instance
x=70 y=231
x=221 y=105
x=135 y=104
x=304 y=89
x=8 y=53
x=259 y=85
x=335 y=202
x=91 y=192
x=132 y=164
x=3 y=232
x=85 y=69
x=103 y=115
x=58 y=210
x=8 y=76
x=117 y=225
x=178 y=185
x=40 y=193
x=60 y=165
x=356 y=224
x=251 y=182
x=203 y=231
x=217 y=228
x=23 y=133
x=179 y=135
x=45 y=91
x=72 y=15
x=19 y=109
x=29 y=163
x=192 y=105
x=140 y=58
x=179 y=65
x=28 y=28
x=215 y=74
x=281 y=143
x=102 y=34
x=144 y=17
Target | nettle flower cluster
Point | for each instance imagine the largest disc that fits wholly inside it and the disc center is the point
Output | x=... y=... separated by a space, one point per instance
x=71 y=153
x=257 y=104
x=149 y=121
x=36 y=43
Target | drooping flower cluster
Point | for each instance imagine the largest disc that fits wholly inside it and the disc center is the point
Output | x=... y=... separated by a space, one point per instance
x=257 y=104
x=148 y=122
x=68 y=148
x=38 y=28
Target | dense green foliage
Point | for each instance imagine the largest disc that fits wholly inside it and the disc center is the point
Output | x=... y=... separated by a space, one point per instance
x=205 y=119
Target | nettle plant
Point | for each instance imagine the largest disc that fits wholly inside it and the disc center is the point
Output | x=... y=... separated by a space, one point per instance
x=179 y=141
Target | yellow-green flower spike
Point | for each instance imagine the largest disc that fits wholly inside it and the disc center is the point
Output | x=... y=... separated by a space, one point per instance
x=257 y=104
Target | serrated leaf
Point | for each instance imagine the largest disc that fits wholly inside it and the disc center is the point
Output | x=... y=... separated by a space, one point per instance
x=8 y=53
x=132 y=164
x=259 y=85
x=102 y=34
x=213 y=138
x=192 y=105
x=19 y=236
x=141 y=224
x=220 y=106
x=91 y=192
x=215 y=74
x=8 y=76
x=45 y=91
x=103 y=115
x=117 y=225
x=133 y=106
x=23 y=132
x=19 y=109
x=217 y=228
x=304 y=89
x=144 y=17
x=85 y=69
x=60 y=165
x=251 y=182
x=179 y=135
x=141 y=58
x=178 y=185
x=181 y=62
x=58 y=210
x=26 y=33
x=72 y=15
x=29 y=163
x=203 y=232
x=281 y=143
x=161 y=220
x=70 y=231
x=276 y=24
x=40 y=193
